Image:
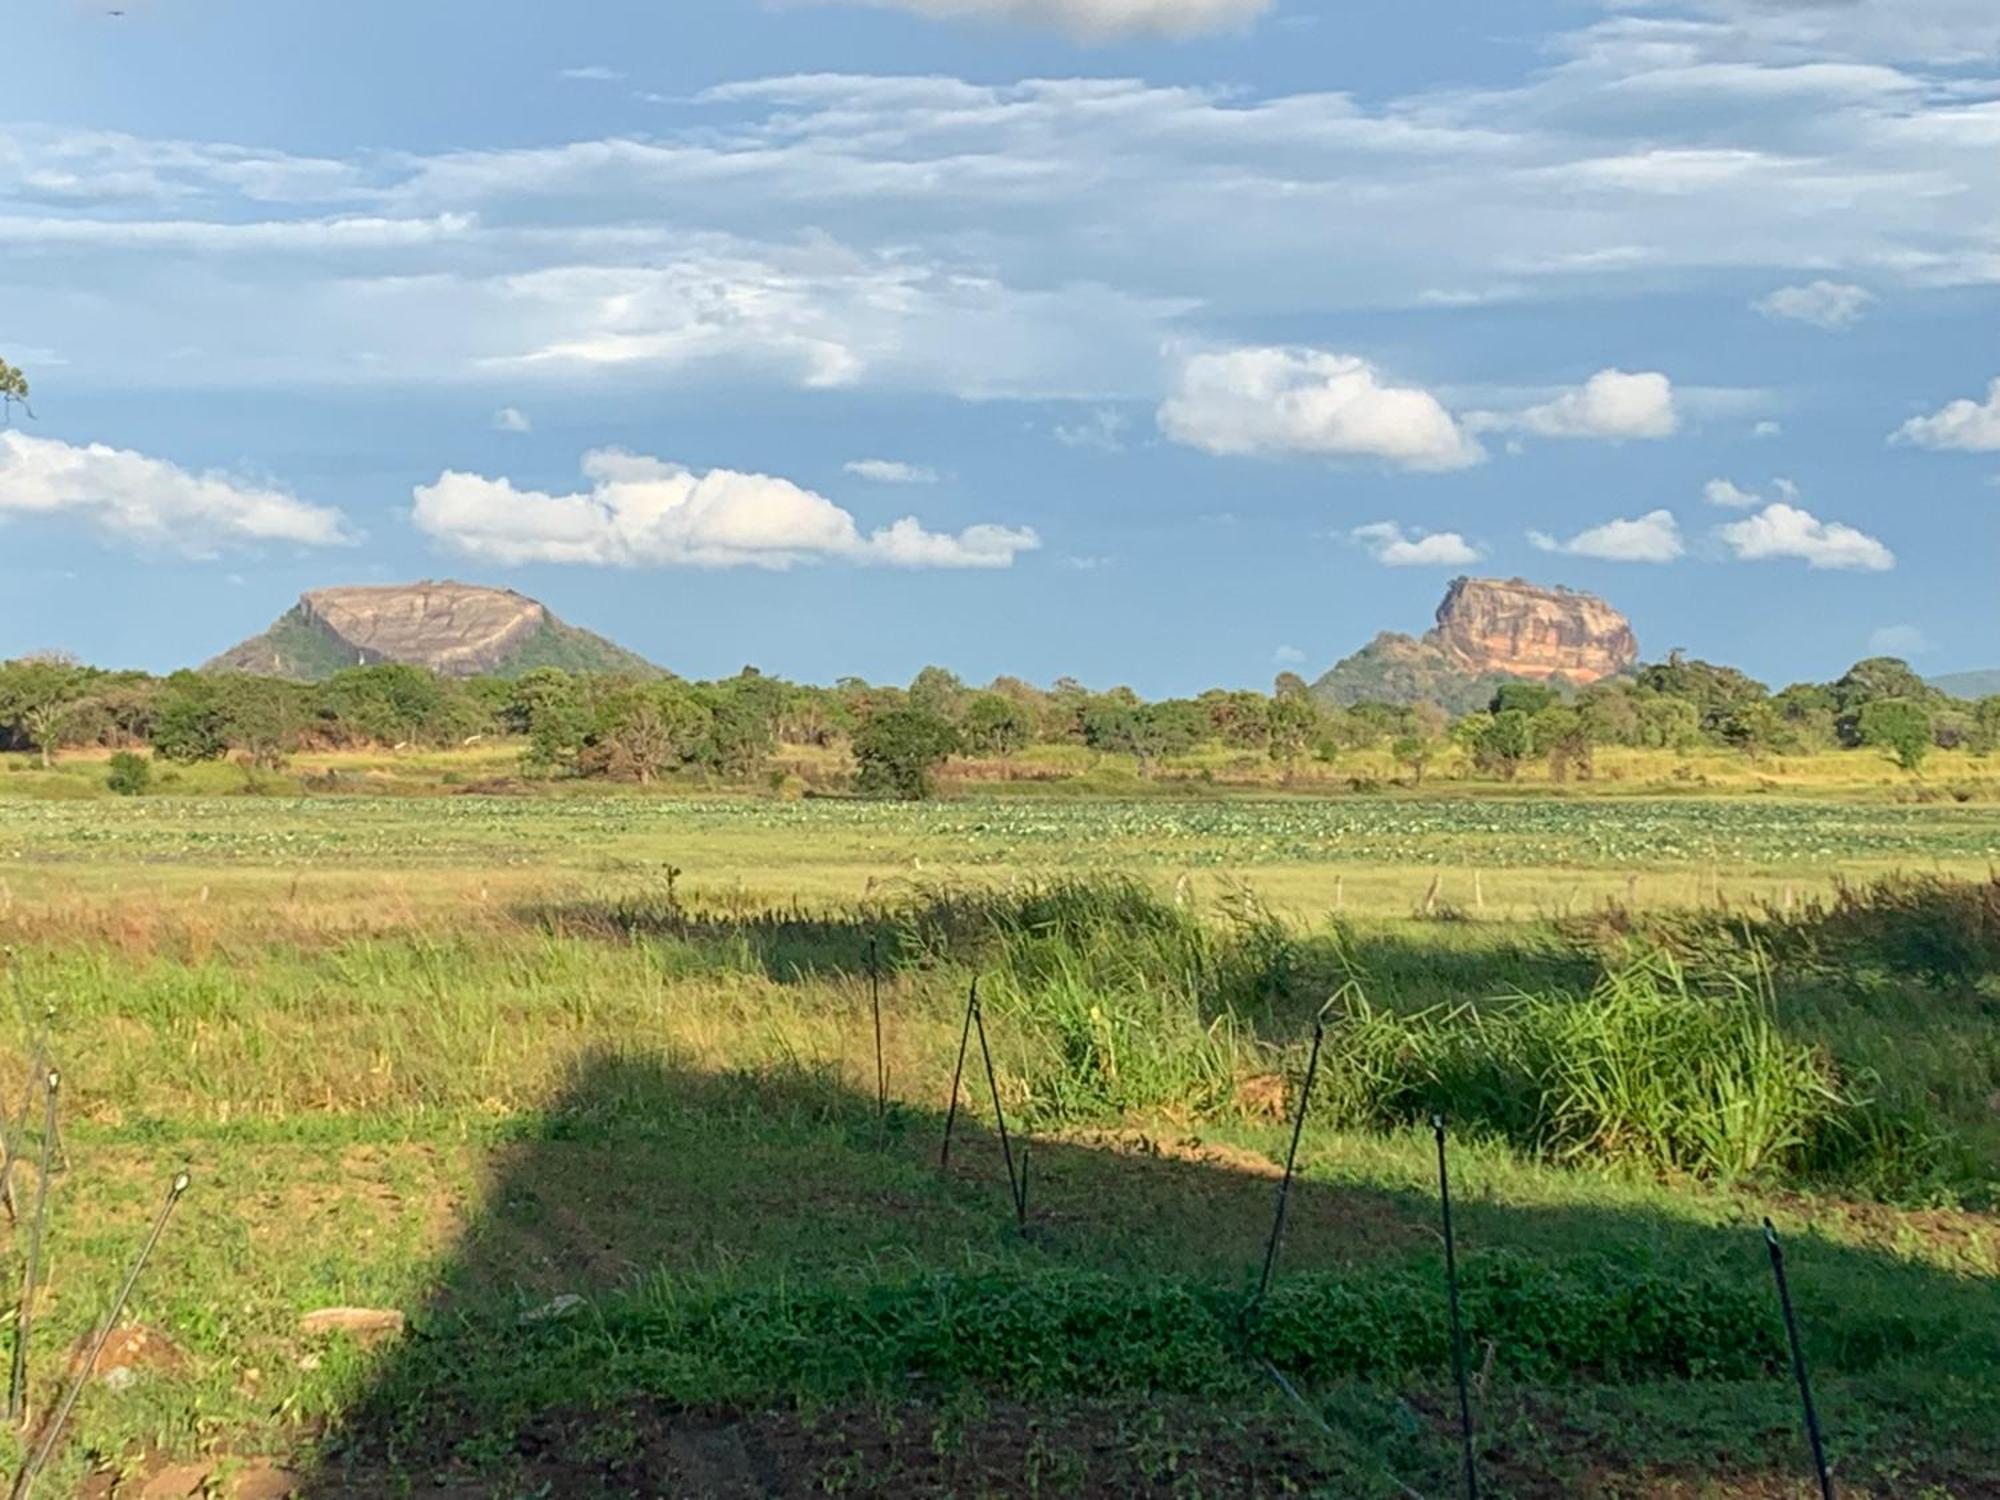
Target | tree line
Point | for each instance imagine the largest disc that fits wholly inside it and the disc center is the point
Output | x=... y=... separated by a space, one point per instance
x=643 y=730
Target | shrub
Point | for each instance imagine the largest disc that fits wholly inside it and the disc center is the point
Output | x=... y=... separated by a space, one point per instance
x=130 y=774
x=1645 y=1068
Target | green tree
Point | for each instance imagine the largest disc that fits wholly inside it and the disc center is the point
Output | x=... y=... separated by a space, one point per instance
x=188 y=724
x=643 y=731
x=939 y=692
x=1527 y=697
x=262 y=717
x=993 y=725
x=547 y=706
x=1291 y=723
x=1985 y=736
x=42 y=700
x=13 y=390
x=1899 y=728
x=1413 y=752
x=897 y=752
x=1871 y=681
x=1504 y=741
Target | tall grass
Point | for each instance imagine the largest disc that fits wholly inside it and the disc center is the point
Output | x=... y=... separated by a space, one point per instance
x=1647 y=1068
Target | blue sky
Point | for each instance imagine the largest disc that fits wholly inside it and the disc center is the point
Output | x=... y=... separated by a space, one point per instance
x=1167 y=342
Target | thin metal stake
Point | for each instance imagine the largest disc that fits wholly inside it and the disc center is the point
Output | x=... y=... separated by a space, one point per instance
x=875 y=999
x=24 y=1482
x=1000 y=1119
x=1291 y=1160
x=1457 y=1331
x=17 y=1381
x=958 y=1072
x=1799 y=1363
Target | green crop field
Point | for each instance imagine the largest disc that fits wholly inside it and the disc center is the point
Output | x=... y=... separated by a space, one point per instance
x=577 y=1098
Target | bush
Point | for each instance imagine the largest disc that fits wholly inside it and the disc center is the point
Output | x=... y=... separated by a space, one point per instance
x=1646 y=1068
x=130 y=774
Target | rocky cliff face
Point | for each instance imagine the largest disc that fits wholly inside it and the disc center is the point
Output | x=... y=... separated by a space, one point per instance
x=454 y=629
x=1488 y=631
x=1521 y=629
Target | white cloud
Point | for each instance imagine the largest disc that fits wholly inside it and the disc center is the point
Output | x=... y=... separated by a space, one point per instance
x=1393 y=547
x=1727 y=492
x=1833 y=305
x=890 y=471
x=1284 y=400
x=149 y=502
x=1611 y=404
x=1898 y=640
x=1767 y=429
x=511 y=419
x=1652 y=538
x=1970 y=426
x=643 y=512
x=1288 y=656
x=1780 y=531
x=592 y=73
x=1098 y=18
x=1103 y=430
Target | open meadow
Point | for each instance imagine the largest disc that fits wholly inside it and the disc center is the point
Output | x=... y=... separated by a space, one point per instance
x=584 y=1088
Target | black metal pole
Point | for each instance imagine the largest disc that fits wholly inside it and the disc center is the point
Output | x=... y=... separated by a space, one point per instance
x=875 y=1000
x=1291 y=1162
x=1000 y=1119
x=1457 y=1329
x=17 y=1381
x=1799 y=1362
x=957 y=1073
x=24 y=1482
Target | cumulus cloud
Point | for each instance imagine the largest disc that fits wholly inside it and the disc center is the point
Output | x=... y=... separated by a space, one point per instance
x=511 y=419
x=1898 y=640
x=150 y=502
x=1967 y=425
x=1653 y=538
x=1098 y=18
x=642 y=512
x=1611 y=404
x=890 y=471
x=1288 y=656
x=1393 y=547
x=1728 y=492
x=1833 y=305
x=1787 y=531
x=1288 y=400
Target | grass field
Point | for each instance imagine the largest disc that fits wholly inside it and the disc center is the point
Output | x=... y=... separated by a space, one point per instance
x=584 y=1087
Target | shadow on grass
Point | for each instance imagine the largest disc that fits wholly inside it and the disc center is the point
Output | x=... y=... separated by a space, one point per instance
x=688 y=1283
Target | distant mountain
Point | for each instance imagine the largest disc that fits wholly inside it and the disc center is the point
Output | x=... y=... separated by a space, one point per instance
x=1968 y=684
x=455 y=629
x=1488 y=631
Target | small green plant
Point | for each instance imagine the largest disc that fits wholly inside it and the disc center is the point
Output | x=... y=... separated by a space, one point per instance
x=129 y=775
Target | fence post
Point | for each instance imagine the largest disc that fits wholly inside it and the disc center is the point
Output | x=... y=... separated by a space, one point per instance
x=1820 y=1469
x=1291 y=1161
x=24 y=1482
x=1457 y=1329
x=875 y=1001
x=958 y=1072
x=1015 y=1186
x=17 y=1381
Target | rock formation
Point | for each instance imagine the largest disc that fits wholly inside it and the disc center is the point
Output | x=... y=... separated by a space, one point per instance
x=1488 y=631
x=454 y=629
x=1521 y=629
